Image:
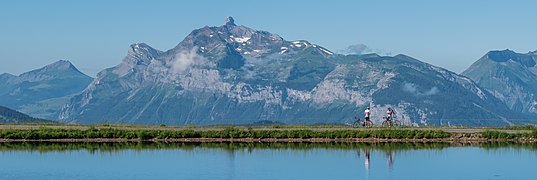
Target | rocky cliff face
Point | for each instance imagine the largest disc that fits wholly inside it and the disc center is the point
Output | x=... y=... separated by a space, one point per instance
x=510 y=77
x=233 y=74
x=44 y=91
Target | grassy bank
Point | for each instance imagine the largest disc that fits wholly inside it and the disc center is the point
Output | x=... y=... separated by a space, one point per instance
x=490 y=134
x=252 y=134
x=54 y=133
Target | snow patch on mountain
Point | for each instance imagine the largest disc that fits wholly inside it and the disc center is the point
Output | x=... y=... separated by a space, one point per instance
x=241 y=39
x=326 y=51
x=299 y=44
x=283 y=50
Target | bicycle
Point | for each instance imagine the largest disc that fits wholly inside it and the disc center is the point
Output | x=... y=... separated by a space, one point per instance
x=368 y=123
x=386 y=122
x=391 y=122
x=356 y=123
x=396 y=121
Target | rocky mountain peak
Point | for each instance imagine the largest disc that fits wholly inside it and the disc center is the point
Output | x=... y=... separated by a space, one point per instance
x=500 y=55
x=506 y=55
x=231 y=37
x=59 y=65
x=229 y=21
x=7 y=75
x=57 y=69
x=141 y=53
x=138 y=48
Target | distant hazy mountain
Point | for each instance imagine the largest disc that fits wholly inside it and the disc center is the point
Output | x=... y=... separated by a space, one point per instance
x=10 y=116
x=509 y=76
x=42 y=92
x=361 y=49
x=233 y=74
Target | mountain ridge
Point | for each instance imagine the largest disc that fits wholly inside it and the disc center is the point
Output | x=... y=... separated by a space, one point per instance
x=41 y=92
x=510 y=76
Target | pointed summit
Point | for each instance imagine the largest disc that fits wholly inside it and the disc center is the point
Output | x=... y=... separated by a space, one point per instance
x=60 y=65
x=141 y=48
x=58 y=69
x=229 y=21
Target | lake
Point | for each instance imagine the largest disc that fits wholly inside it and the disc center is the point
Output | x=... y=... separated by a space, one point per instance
x=267 y=161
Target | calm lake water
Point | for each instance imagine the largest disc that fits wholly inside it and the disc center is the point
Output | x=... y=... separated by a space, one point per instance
x=266 y=161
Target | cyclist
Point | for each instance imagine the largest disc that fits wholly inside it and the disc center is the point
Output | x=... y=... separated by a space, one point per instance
x=390 y=114
x=367 y=114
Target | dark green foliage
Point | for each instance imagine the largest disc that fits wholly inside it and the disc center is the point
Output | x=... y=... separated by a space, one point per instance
x=8 y=115
x=496 y=135
x=504 y=135
x=527 y=127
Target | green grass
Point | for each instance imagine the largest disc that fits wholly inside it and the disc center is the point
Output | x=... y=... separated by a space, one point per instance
x=229 y=132
x=503 y=135
x=528 y=127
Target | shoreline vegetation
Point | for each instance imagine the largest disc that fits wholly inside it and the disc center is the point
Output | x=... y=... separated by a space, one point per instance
x=276 y=133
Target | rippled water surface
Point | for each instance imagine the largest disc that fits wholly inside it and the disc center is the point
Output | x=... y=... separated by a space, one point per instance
x=266 y=161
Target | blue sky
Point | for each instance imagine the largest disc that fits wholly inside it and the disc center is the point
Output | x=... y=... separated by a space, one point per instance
x=96 y=34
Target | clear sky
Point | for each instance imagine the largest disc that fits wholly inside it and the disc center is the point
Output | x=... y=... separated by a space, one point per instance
x=95 y=34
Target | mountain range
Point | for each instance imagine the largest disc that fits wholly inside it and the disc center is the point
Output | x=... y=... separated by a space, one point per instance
x=233 y=74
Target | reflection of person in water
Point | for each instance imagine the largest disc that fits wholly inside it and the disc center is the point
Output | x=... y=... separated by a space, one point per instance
x=367 y=160
x=389 y=159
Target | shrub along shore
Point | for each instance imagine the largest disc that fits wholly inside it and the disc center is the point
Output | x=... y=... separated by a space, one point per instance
x=234 y=134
